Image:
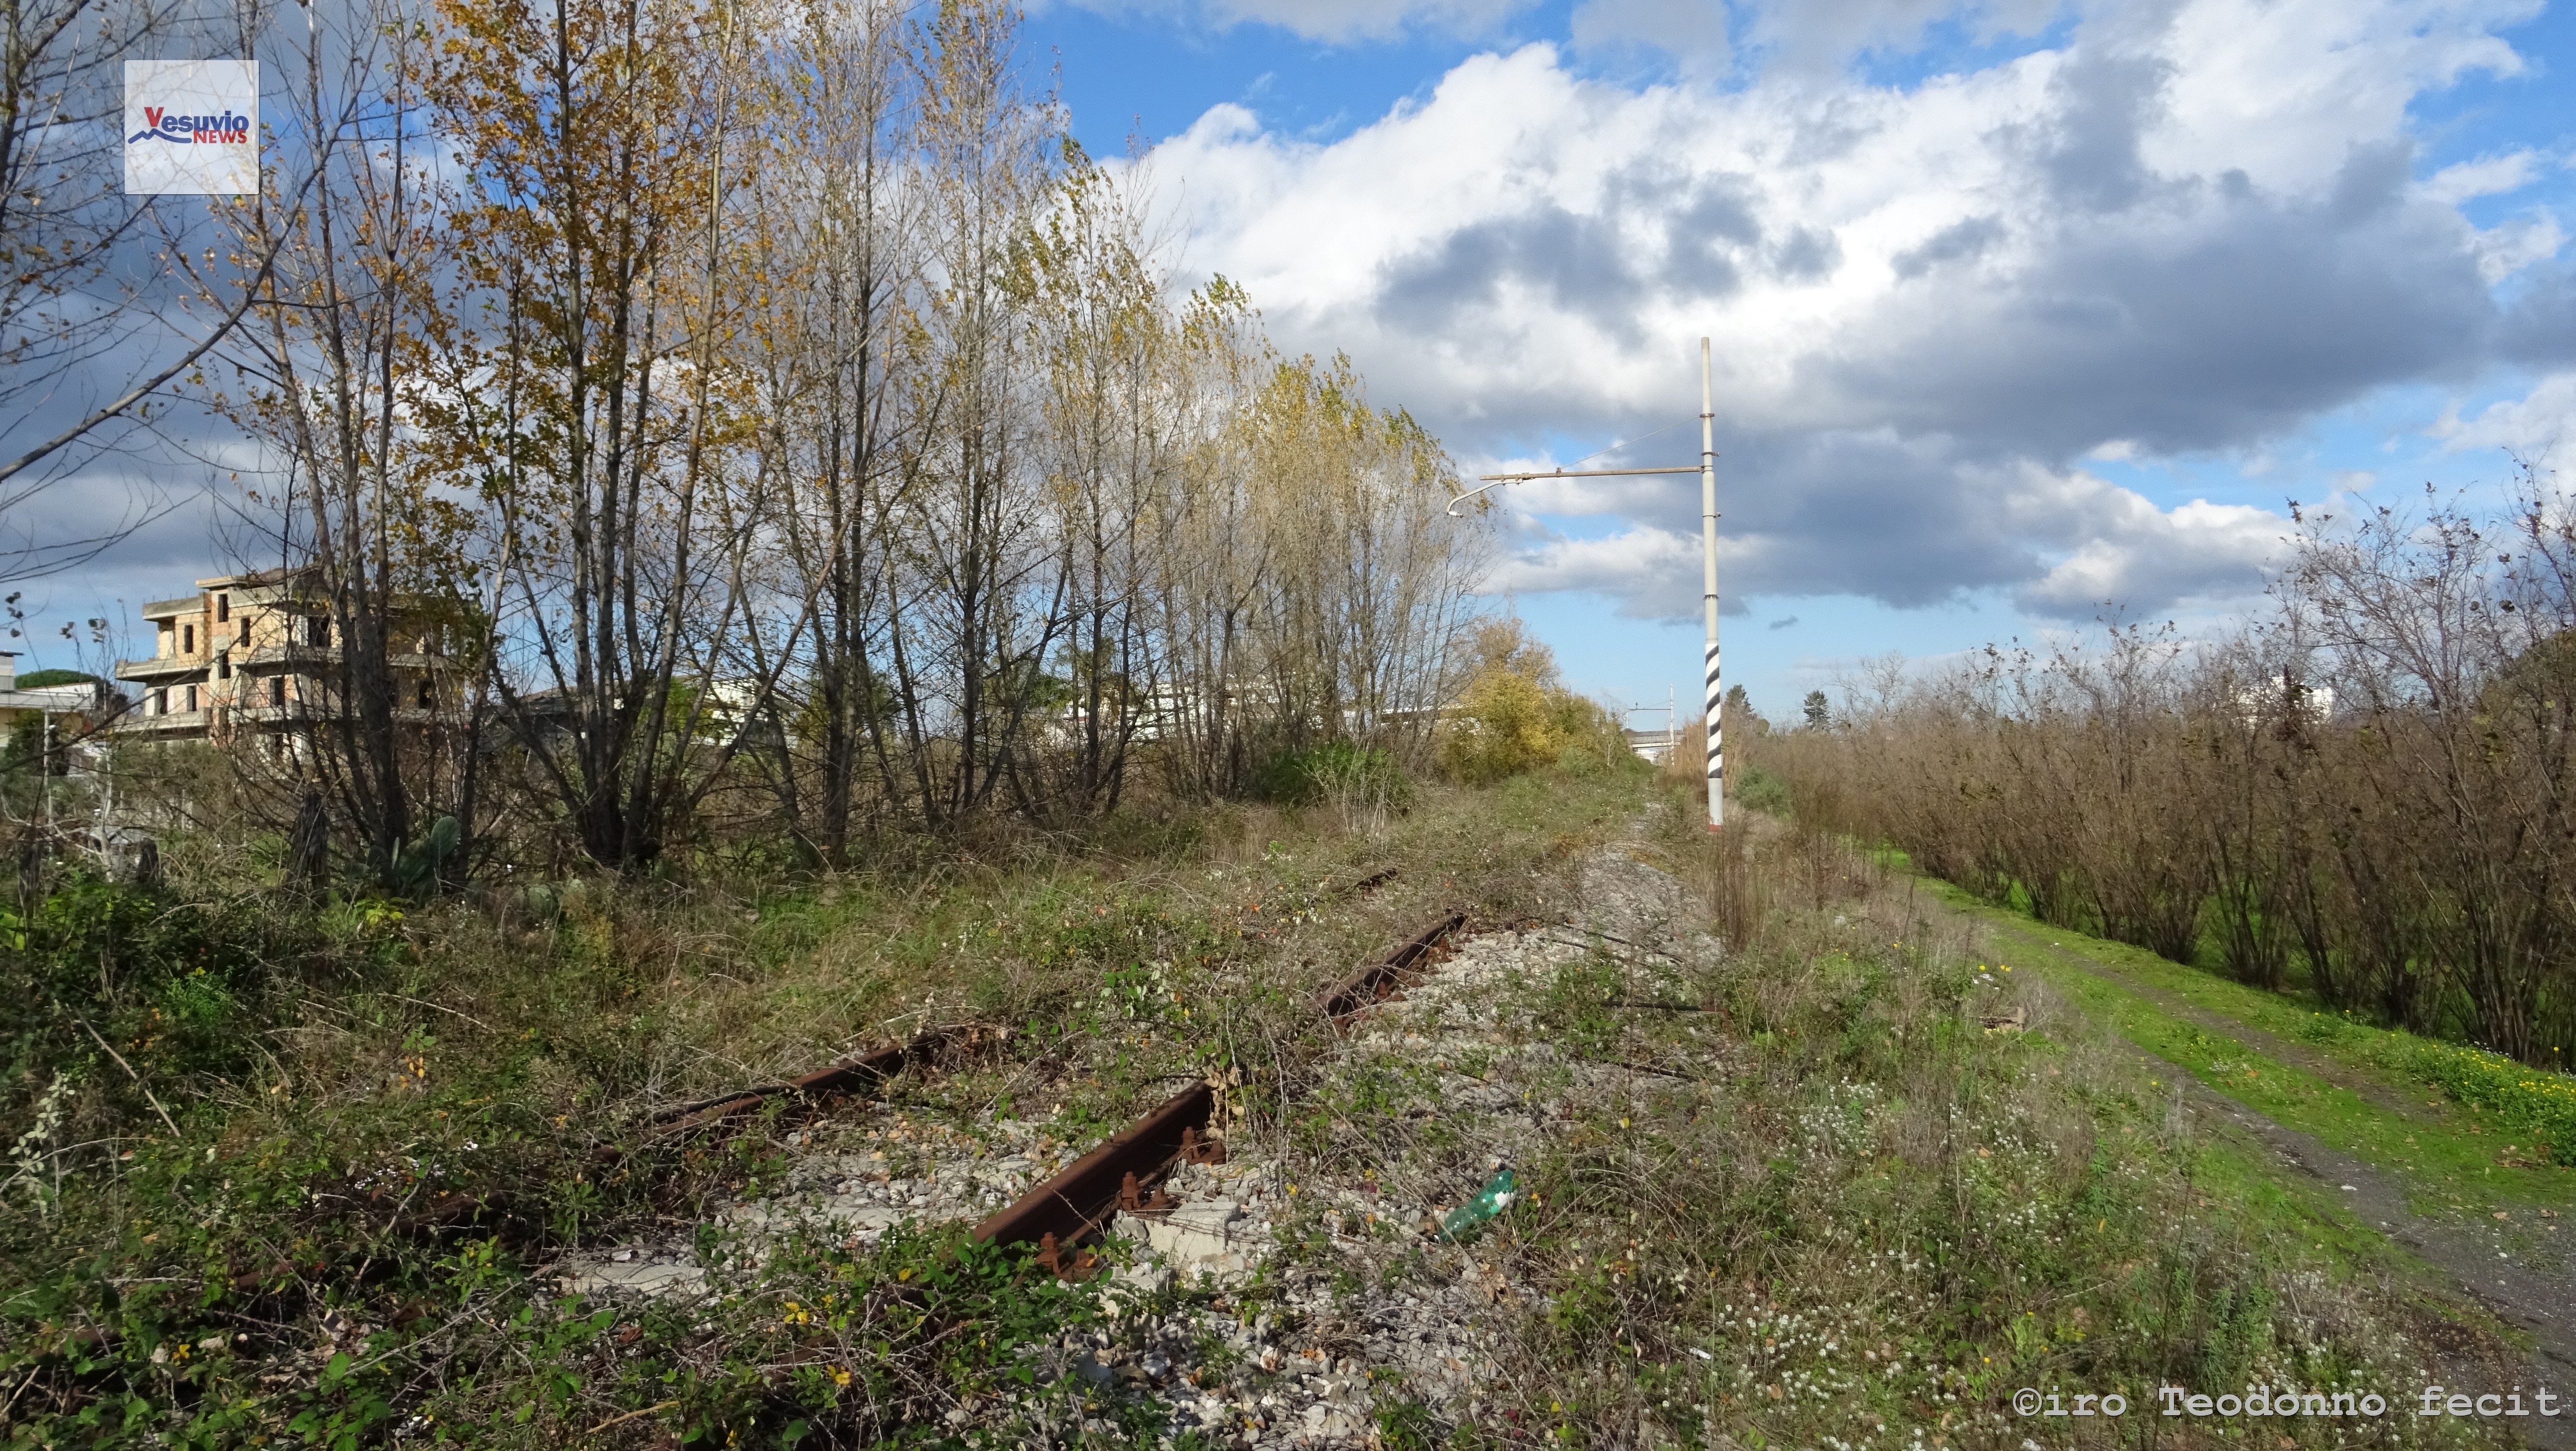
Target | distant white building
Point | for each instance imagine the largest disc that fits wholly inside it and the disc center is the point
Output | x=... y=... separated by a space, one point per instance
x=1655 y=746
x=73 y=708
x=2285 y=694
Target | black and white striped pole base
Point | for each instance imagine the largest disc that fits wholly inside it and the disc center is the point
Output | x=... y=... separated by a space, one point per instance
x=1716 y=746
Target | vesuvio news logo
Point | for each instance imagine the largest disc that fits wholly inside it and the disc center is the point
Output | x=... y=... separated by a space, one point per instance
x=162 y=124
x=191 y=127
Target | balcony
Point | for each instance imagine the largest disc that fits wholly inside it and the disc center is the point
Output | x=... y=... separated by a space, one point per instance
x=268 y=659
x=289 y=657
x=176 y=723
x=163 y=667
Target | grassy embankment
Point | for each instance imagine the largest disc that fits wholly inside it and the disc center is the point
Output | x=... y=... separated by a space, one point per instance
x=2466 y=1130
x=1846 y=1214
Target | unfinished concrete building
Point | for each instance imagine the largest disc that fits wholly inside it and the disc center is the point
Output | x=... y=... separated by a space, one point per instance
x=256 y=655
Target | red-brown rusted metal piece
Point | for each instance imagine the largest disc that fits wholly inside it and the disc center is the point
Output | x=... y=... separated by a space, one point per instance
x=836 y=1081
x=1384 y=977
x=1197 y=1150
x=1056 y=1260
x=1084 y=1194
x=1133 y=1199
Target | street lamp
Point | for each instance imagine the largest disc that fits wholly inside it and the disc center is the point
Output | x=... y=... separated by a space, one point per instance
x=1707 y=471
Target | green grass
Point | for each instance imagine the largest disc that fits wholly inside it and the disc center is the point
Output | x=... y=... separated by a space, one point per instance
x=2287 y=1210
x=2448 y=1160
x=1835 y=1173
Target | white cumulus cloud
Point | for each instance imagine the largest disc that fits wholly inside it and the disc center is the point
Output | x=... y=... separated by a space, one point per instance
x=2182 y=228
x=2540 y=426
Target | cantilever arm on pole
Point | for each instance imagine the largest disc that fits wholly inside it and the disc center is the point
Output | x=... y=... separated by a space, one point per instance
x=1471 y=493
x=1488 y=481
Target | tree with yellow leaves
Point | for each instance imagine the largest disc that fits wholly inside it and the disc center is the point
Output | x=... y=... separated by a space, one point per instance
x=1516 y=715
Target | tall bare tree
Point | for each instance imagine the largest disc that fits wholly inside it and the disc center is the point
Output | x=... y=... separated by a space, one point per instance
x=365 y=539
x=1120 y=414
x=973 y=618
x=841 y=208
x=601 y=143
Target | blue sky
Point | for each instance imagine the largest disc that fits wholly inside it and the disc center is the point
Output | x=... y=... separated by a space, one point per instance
x=2029 y=309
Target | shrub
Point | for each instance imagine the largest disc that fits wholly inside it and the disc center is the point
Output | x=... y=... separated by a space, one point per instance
x=1335 y=770
x=179 y=984
x=124 y=1007
x=1516 y=715
x=2360 y=793
x=1759 y=790
x=1504 y=729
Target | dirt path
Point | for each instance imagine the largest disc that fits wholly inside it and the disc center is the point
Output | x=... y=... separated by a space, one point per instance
x=2540 y=1302
x=2536 y=1296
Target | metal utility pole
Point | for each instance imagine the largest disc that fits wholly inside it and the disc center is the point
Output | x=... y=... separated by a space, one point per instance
x=1708 y=572
x=1707 y=471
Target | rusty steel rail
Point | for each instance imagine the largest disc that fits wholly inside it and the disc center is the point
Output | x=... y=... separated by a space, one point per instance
x=1361 y=886
x=1084 y=1194
x=1082 y=1197
x=1382 y=978
x=1079 y=1200
x=834 y=1082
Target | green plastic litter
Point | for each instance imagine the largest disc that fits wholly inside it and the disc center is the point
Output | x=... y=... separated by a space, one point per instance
x=1493 y=1199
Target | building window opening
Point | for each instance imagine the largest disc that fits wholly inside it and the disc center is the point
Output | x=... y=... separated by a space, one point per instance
x=245 y=630
x=425 y=696
x=160 y=702
x=223 y=608
x=187 y=639
x=277 y=691
x=192 y=698
x=223 y=667
x=317 y=631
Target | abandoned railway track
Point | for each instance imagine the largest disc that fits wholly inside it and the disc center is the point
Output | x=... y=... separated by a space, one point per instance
x=1125 y=1172
x=1129 y=1169
x=1080 y=1200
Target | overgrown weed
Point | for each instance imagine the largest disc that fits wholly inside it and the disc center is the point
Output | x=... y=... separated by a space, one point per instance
x=1874 y=1217
x=390 y=1118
